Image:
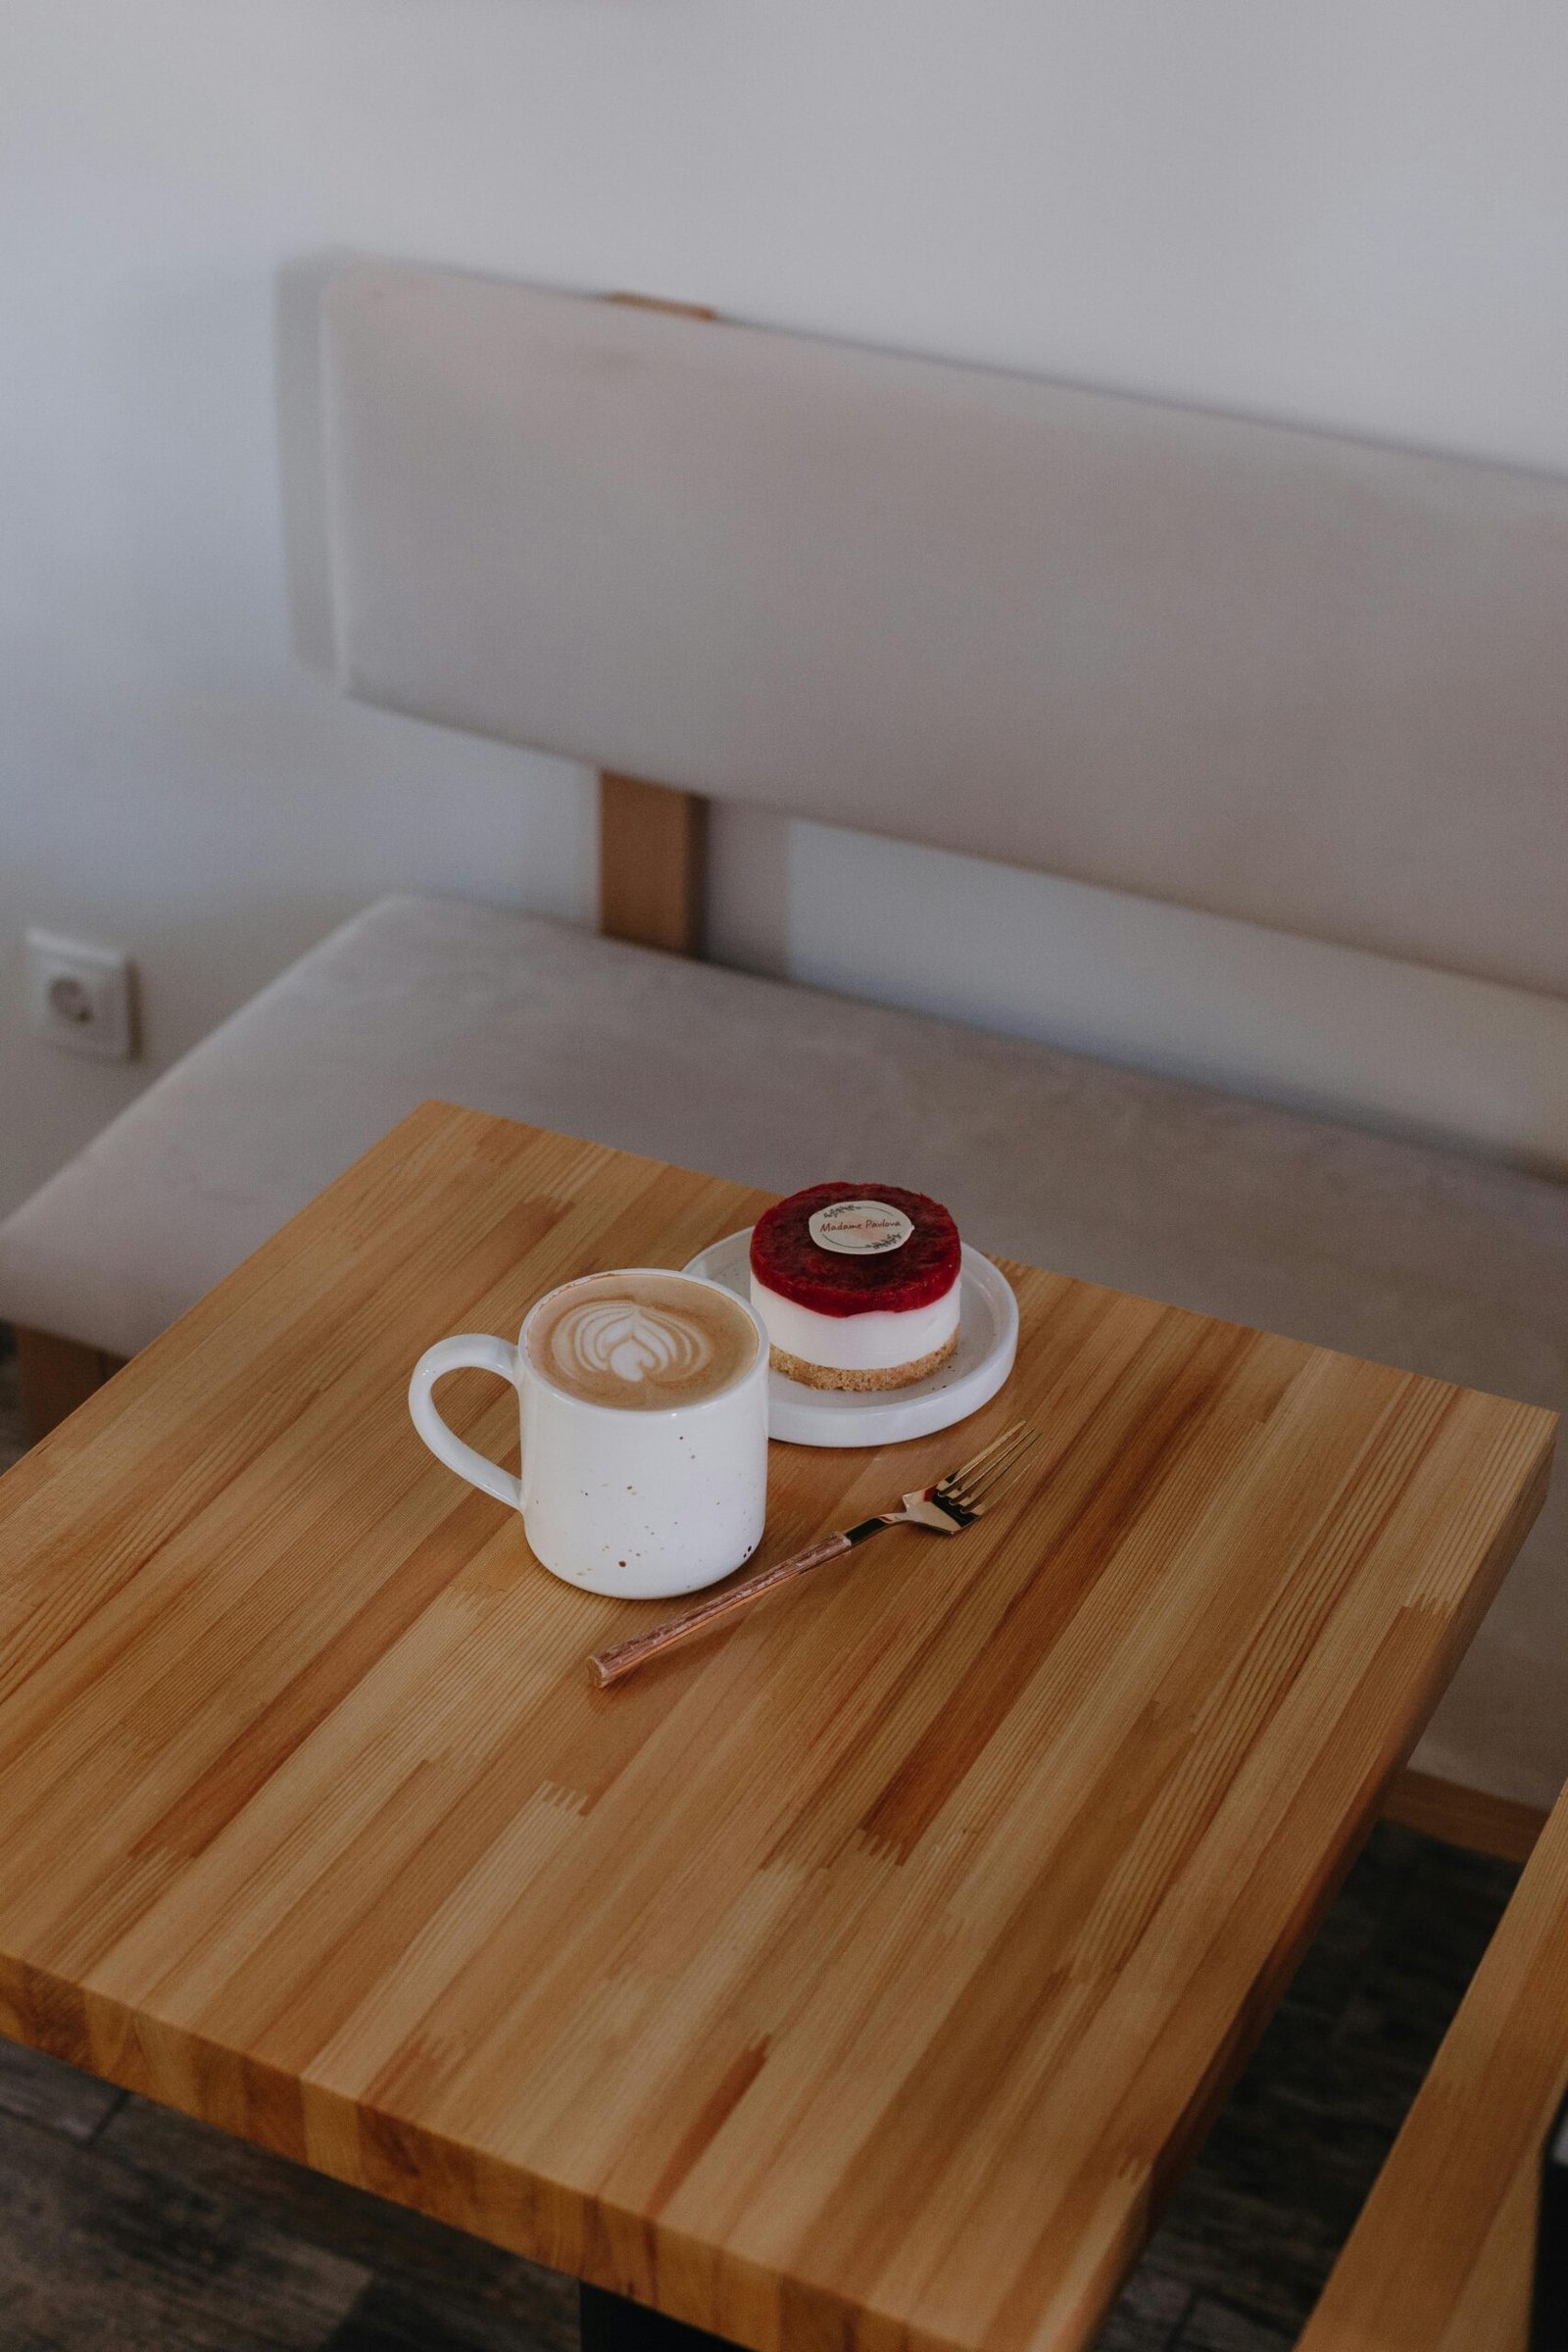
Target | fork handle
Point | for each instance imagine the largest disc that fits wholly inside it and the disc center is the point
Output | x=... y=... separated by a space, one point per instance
x=613 y=1665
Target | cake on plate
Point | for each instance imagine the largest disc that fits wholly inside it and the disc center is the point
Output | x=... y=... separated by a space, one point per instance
x=858 y=1285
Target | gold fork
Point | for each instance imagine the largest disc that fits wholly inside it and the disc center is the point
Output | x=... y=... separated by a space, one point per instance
x=954 y=1504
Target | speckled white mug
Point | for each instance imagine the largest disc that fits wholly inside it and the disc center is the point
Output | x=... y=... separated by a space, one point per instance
x=642 y=1503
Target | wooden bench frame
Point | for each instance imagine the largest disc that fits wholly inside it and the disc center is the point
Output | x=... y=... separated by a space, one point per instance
x=1441 y=2256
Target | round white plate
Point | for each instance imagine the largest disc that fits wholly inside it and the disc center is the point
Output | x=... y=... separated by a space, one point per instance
x=987 y=1341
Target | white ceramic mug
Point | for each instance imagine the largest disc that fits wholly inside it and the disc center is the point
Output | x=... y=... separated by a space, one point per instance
x=644 y=1501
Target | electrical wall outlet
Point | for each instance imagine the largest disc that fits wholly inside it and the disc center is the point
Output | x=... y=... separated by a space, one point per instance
x=81 y=997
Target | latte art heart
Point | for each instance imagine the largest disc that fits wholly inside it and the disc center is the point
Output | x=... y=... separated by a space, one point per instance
x=642 y=1342
x=630 y=1341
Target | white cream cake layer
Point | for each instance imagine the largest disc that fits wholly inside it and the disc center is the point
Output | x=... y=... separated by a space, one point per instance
x=874 y=1342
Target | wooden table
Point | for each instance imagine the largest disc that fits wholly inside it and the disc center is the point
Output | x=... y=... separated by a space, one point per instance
x=1443 y=2256
x=863 y=1977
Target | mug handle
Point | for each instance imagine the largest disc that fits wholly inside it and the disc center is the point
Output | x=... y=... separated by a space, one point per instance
x=474 y=1351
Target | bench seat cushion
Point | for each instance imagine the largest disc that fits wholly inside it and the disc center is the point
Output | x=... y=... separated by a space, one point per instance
x=1430 y=1259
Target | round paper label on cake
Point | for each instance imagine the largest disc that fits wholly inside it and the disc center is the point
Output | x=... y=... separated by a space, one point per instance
x=860 y=1228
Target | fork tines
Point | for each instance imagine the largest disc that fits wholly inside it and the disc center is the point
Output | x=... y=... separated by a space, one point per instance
x=983 y=1481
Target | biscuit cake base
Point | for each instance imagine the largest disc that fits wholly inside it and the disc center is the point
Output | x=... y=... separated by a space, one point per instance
x=889 y=1376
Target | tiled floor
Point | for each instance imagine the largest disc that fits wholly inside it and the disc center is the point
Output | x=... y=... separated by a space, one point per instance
x=126 y=2229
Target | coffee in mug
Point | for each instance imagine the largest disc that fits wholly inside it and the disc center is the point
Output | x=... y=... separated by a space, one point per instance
x=640 y=1342
x=644 y=1413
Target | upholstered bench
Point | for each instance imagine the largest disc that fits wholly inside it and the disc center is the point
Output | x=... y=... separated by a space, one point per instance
x=1277 y=676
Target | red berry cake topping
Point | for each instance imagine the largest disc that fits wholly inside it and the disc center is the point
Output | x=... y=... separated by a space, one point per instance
x=894 y=1277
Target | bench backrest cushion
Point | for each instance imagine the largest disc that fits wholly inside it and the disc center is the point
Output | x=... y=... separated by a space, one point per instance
x=1313 y=684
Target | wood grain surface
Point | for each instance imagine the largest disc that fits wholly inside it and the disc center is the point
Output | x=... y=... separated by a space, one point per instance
x=862 y=1978
x=1442 y=2257
x=652 y=865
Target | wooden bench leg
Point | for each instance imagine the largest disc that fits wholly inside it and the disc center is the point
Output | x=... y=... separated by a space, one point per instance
x=652 y=845
x=55 y=1376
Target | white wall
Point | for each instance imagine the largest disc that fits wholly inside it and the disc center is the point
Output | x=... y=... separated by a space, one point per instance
x=1350 y=214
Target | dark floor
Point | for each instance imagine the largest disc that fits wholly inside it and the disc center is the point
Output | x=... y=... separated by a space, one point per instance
x=126 y=2229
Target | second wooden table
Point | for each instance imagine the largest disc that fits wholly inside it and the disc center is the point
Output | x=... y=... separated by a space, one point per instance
x=865 y=1975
